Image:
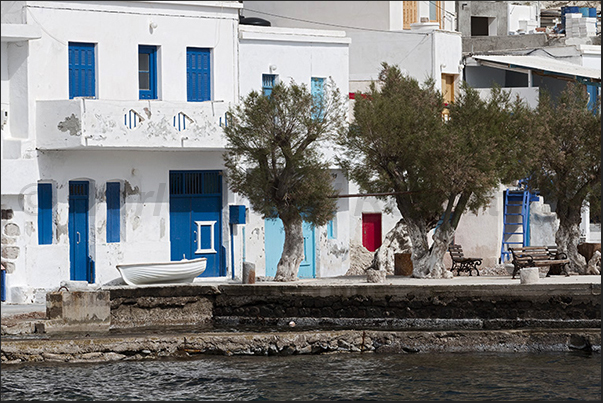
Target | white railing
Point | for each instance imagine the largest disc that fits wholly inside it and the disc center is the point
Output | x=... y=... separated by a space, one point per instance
x=91 y=123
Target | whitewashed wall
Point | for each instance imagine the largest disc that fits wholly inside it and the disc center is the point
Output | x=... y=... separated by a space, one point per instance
x=35 y=75
x=298 y=55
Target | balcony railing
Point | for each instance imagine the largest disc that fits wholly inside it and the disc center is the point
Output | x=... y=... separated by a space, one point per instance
x=90 y=123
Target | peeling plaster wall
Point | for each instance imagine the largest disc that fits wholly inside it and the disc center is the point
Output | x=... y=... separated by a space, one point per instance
x=145 y=204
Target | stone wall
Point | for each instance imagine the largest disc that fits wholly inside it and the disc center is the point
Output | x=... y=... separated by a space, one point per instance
x=408 y=307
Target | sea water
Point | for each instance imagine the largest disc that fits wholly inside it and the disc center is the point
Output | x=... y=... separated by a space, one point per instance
x=327 y=377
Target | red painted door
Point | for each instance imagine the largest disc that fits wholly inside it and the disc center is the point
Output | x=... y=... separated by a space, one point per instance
x=371 y=231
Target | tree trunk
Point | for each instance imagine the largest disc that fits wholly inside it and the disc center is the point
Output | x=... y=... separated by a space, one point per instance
x=441 y=240
x=567 y=239
x=420 y=249
x=293 y=250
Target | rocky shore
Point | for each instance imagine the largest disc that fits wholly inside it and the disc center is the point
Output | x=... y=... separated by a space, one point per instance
x=320 y=316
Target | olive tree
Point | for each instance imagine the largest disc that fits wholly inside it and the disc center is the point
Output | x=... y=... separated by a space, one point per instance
x=566 y=168
x=274 y=157
x=436 y=169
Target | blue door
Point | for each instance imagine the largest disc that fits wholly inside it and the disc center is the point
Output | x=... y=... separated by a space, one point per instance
x=274 y=239
x=80 y=264
x=196 y=219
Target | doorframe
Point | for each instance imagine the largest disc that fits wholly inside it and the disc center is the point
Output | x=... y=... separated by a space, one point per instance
x=277 y=221
x=75 y=271
x=218 y=241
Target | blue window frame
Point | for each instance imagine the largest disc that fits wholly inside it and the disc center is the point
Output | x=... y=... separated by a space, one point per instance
x=44 y=213
x=82 y=70
x=268 y=81
x=198 y=74
x=317 y=88
x=113 y=211
x=147 y=72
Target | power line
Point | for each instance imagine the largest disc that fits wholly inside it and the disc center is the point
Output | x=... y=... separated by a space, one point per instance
x=322 y=23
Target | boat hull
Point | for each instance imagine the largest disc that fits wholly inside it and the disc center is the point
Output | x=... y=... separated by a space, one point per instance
x=177 y=272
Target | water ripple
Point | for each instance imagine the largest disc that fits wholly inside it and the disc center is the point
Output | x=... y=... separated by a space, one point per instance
x=336 y=377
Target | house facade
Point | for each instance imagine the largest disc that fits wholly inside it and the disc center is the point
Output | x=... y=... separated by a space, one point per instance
x=112 y=135
x=451 y=41
x=417 y=36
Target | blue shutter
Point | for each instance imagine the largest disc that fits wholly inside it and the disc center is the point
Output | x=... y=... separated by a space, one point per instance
x=317 y=89
x=82 y=81
x=147 y=72
x=331 y=234
x=268 y=81
x=198 y=74
x=593 y=93
x=113 y=211
x=44 y=213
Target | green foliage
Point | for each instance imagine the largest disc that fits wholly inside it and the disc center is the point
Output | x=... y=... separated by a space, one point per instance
x=400 y=142
x=567 y=164
x=273 y=154
x=386 y=149
x=486 y=143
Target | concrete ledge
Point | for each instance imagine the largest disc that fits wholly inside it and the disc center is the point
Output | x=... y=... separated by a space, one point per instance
x=187 y=345
x=76 y=311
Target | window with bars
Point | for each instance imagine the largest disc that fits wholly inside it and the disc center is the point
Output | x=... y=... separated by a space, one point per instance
x=195 y=183
x=268 y=82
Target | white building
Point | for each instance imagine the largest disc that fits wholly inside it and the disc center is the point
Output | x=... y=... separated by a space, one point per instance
x=417 y=36
x=112 y=140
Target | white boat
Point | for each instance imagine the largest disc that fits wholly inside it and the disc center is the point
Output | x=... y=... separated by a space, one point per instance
x=177 y=272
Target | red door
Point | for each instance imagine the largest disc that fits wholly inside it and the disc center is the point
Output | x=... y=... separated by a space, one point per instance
x=371 y=231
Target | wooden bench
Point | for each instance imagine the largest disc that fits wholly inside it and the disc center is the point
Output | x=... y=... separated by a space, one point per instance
x=539 y=256
x=460 y=262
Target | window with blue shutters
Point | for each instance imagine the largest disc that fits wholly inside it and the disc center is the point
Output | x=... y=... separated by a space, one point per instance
x=331 y=229
x=82 y=71
x=147 y=72
x=44 y=213
x=317 y=88
x=198 y=75
x=268 y=81
x=113 y=211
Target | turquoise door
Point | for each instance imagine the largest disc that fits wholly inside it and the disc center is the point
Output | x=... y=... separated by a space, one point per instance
x=196 y=219
x=80 y=264
x=274 y=239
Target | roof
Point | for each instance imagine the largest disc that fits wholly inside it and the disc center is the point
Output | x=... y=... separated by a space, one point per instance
x=545 y=65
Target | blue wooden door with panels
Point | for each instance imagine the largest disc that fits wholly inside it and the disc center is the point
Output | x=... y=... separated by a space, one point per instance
x=274 y=240
x=196 y=219
x=80 y=264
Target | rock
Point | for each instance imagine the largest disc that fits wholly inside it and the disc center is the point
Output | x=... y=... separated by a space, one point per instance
x=375 y=276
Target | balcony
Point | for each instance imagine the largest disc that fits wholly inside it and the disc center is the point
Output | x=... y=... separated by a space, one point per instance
x=149 y=125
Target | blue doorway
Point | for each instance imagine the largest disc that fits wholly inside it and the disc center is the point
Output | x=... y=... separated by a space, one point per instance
x=80 y=264
x=196 y=219
x=274 y=239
